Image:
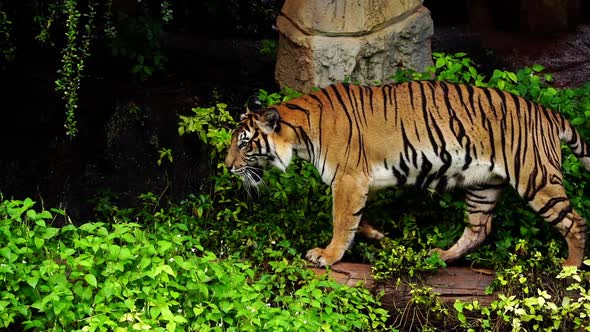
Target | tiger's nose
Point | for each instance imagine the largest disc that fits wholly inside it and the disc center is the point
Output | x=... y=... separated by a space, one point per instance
x=230 y=167
x=228 y=163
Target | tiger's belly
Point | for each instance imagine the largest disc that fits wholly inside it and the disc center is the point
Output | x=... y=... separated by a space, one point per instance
x=433 y=173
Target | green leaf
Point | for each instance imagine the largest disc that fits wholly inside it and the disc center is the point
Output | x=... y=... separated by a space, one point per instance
x=461 y=317
x=578 y=121
x=129 y=238
x=32 y=215
x=166 y=313
x=164 y=246
x=166 y=268
x=537 y=67
x=6 y=253
x=28 y=203
x=39 y=242
x=66 y=252
x=32 y=281
x=91 y=280
x=155 y=312
x=45 y=215
x=58 y=211
x=89 y=227
x=511 y=76
x=145 y=262
x=171 y=326
x=316 y=304
x=50 y=232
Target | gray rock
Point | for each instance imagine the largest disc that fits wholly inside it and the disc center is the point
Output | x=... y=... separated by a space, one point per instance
x=364 y=41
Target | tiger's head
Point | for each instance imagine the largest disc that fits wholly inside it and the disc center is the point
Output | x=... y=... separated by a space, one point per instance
x=256 y=142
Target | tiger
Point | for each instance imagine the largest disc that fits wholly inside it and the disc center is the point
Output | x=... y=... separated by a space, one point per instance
x=427 y=134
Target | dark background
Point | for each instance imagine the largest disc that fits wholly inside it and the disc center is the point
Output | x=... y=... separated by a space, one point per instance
x=213 y=52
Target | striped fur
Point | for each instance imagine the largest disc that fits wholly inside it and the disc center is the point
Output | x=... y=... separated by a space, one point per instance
x=428 y=134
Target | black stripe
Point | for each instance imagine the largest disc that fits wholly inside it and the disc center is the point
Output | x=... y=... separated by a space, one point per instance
x=425 y=168
x=569 y=229
x=356 y=114
x=488 y=94
x=401 y=179
x=341 y=101
x=503 y=136
x=408 y=147
x=459 y=90
x=551 y=203
x=402 y=164
x=334 y=176
x=361 y=93
x=561 y=215
x=426 y=118
x=442 y=184
x=320 y=125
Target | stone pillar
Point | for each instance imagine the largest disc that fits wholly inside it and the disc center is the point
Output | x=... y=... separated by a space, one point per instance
x=366 y=41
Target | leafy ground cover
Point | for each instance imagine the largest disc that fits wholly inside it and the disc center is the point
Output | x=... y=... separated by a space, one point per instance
x=147 y=271
x=222 y=260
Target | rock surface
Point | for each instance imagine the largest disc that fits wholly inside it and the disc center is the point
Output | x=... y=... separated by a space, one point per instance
x=365 y=41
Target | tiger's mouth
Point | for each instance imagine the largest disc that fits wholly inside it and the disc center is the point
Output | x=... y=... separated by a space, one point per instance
x=251 y=176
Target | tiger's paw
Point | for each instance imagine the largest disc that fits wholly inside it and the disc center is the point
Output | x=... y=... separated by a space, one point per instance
x=323 y=257
x=369 y=231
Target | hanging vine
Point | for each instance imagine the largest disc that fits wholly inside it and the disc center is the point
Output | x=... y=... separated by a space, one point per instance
x=74 y=55
x=7 y=47
x=80 y=29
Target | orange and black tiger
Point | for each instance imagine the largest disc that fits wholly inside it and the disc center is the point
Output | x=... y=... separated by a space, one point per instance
x=428 y=134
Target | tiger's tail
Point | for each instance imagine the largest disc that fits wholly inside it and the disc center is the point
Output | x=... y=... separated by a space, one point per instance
x=572 y=138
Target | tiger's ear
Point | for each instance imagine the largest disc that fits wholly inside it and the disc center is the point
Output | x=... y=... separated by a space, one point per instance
x=253 y=104
x=268 y=120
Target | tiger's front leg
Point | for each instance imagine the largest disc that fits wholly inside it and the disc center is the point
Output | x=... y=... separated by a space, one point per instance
x=349 y=199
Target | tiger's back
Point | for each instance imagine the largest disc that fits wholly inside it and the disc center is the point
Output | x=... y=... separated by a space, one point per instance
x=432 y=133
x=429 y=134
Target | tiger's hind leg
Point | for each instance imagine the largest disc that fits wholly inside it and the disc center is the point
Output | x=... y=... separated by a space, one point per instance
x=480 y=201
x=368 y=231
x=554 y=206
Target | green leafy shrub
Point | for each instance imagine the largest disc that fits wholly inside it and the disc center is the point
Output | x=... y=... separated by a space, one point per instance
x=532 y=300
x=137 y=39
x=213 y=126
x=156 y=275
